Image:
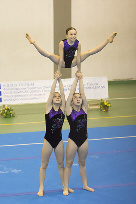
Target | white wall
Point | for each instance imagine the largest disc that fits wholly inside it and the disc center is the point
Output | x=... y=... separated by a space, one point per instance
x=95 y=20
x=18 y=59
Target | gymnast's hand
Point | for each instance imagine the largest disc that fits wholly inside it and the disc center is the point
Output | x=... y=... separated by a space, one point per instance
x=57 y=74
x=79 y=75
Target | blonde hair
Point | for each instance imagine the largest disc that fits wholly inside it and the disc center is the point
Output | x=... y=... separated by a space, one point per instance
x=72 y=100
x=60 y=96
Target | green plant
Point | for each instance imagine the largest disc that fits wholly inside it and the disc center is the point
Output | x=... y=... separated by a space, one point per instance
x=104 y=105
x=7 y=112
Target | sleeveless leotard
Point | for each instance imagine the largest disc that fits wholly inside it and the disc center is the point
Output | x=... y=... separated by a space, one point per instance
x=54 y=121
x=78 y=126
x=69 y=52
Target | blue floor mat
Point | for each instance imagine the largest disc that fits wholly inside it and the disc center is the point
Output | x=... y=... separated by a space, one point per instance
x=111 y=168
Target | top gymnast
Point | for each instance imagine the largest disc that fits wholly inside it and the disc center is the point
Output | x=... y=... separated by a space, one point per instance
x=67 y=48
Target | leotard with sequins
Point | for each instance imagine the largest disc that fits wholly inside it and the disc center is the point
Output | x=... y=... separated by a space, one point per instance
x=54 y=121
x=78 y=126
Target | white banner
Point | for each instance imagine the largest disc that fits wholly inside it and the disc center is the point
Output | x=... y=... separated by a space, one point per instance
x=20 y=92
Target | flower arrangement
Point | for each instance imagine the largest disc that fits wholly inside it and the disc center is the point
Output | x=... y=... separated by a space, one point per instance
x=104 y=105
x=7 y=112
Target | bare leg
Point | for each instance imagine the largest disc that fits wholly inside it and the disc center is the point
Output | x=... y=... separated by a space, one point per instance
x=54 y=58
x=70 y=155
x=59 y=152
x=95 y=50
x=82 y=154
x=46 y=153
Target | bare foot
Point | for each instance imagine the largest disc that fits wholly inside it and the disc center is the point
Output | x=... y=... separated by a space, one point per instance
x=65 y=192
x=111 y=37
x=70 y=190
x=29 y=38
x=40 y=193
x=88 y=189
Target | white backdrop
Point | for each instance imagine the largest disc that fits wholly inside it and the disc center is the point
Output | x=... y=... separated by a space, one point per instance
x=95 y=20
x=18 y=59
x=20 y=92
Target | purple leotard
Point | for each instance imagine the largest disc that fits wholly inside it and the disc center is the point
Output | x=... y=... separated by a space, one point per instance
x=53 y=112
x=74 y=113
x=78 y=126
x=54 y=121
x=69 y=52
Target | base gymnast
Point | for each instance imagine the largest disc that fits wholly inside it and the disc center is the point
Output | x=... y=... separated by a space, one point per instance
x=67 y=48
x=76 y=110
x=54 y=117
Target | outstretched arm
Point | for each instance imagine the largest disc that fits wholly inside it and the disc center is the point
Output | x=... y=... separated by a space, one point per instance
x=81 y=91
x=101 y=46
x=49 y=102
x=79 y=57
x=62 y=95
x=61 y=54
x=70 y=97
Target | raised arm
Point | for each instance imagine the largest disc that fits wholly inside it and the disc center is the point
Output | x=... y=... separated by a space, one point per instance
x=81 y=91
x=70 y=97
x=49 y=102
x=61 y=54
x=79 y=57
x=62 y=107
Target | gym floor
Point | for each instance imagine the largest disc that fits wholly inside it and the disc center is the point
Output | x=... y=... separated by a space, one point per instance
x=111 y=161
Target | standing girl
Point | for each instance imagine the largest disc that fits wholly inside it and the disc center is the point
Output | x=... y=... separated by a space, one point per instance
x=67 y=48
x=76 y=109
x=54 y=117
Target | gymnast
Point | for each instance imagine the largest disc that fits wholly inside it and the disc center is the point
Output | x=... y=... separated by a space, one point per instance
x=76 y=110
x=54 y=117
x=67 y=48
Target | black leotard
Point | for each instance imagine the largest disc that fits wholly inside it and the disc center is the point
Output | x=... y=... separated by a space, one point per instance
x=54 y=121
x=78 y=126
x=69 y=52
